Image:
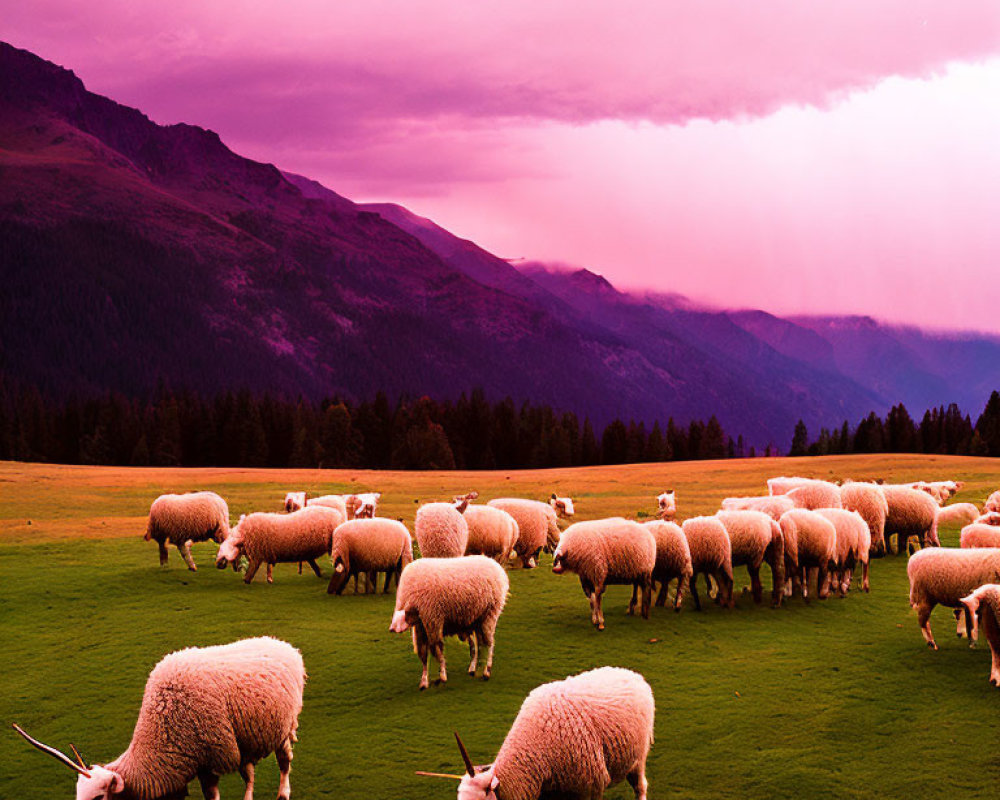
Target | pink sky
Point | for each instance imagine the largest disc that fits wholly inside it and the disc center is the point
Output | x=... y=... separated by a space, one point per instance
x=821 y=157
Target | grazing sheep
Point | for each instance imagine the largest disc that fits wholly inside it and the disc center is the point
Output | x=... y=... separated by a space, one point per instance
x=772 y=505
x=536 y=524
x=810 y=548
x=784 y=485
x=572 y=738
x=606 y=552
x=492 y=532
x=992 y=503
x=815 y=494
x=911 y=513
x=941 y=491
x=334 y=501
x=270 y=539
x=206 y=712
x=563 y=505
x=943 y=576
x=980 y=535
x=869 y=501
x=756 y=538
x=853 y=545
x=983 y=607
x=441 y=530
x=182 y=519
x=989 y=518
x=368 y=547
x=673 y=560
x=439 y=597
x=957 y=514
x=667 y=504
x=711 y=555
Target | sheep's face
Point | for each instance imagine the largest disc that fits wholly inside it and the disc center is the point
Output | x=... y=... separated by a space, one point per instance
x=559 y=561
x=481 y=786
x=230 y=550
x=402 y=620
x=102 y=784
x=562 y=505
x=667 y=503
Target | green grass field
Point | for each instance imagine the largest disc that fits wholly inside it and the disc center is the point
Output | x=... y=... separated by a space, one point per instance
x=840 y=698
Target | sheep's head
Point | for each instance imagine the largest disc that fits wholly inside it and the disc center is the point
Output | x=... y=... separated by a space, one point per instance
x=559 y=565
x=667 y=503
x=562 y=505
x=403 y=619
x=294 y=501
x=94 y=783
x=231 y=549
x=971 y=604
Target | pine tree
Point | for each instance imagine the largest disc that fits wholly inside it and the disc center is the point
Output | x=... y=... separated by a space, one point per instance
x=800 y=440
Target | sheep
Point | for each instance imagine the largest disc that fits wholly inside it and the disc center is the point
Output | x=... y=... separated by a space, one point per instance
x=492 y=532
x=957 y=514
x=979 y=535
x=206 y=712
x=755 y=538
x=667 y=505
x=989 y=518
x=266 y=538
x=783 y=485
x=853 y=545
x=537 y=527
x=368 y=546
x=571 y=738
x=563 y=505
x=992 y=502
x=772 y=505
x=943 y=576
x=941 y=491
x=441 y=530
x=334 y=501
x=815 y=494
x=607 y=552
x=810 y=547
x=182 y=519
x=711 y=554
x=295 y=501
x=363 y=505
x=911 y=513
x=673 y=560
x=983 y=607
x=869 y=501
x=439 y=597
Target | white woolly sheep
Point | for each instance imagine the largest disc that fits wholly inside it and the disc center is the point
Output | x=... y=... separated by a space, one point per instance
x=784 y=485
x=571 y=738
x=368 y=546
x=755 y=539
x=182 y=519
x=810 y=549
x=853 y=545
x=294 y=501
x=711 y=555
x=334 y=501
x=605 y=552
x=911 y=513
x=869 y=501
x=943 y=576
x=362 y=505
x=441 y=530
x=982 y=607
x=957 y=514
x=206 y=712
x=439 y=597
x=673 y=560
x=941 y=491
x=492 y=532
x=536 y=524
x=666 y=504
x=815 y=494
x=992 y=503
x=563 y=505
x=978 y=534
x=772 y=505
x=270 y=539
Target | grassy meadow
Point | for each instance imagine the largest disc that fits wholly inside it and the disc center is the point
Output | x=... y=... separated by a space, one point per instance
x=839 y=698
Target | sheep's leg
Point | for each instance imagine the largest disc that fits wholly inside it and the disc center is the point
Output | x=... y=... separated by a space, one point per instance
x=992 y=632
x=679 y=594
x=438 y=650
x=488 y=641
x=270 y=572
x=756 y=587
x=209 y=785
x=315 y=568
x=252 y=568
x=924 y=619
x=473 y=654
x=637 y=780
x=598 y=594
x=247 y=773
x=356 y=575
x=284 y=756
x=635 y=598
x=661 y=596
x=804 y=582
x=163 y=553
x=776 y=583
x=420 y=637
x=647 y=596
x=959 y=621
x=371 y=582
x=864 y=575
x=694 y=591
x=186 y=553
x=822 y=581
x=300 y=568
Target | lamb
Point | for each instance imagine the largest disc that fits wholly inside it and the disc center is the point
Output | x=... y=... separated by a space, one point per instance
x=756 y=538
x=206 y=712
x=673 y=560
x=667 y=504
x=772 y=505
x=816 y=494
x=182 y=519
x=571 y=738
x=979 y=535
x=711 y=554
x=563 y=505
x=334 y=501
x=869 y=501
x=943 y=576
x=492 y=532
x=266 y=538
x=983 y=606
x=537 y=527
x=368 y=546
x=992 y=503
x=441 y=530
x=957 y=514
x=853 y=545
x=295 y=501
x=911 y=513
x=607 y=552
x=439 y=597
x=810 y=547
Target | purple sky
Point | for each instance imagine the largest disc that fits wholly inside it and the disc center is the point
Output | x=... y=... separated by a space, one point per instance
x=814 y=157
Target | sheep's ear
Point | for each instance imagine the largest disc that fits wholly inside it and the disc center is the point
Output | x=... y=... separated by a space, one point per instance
x=117 y=784
x=552 y=496
x=494 y=783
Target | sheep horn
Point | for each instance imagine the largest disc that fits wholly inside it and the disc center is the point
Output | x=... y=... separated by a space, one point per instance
x=465 y=756
x=69 y=762
x=76 y=753
x=438 y=775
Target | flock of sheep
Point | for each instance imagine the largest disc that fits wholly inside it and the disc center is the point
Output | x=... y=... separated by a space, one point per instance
x=211 y=711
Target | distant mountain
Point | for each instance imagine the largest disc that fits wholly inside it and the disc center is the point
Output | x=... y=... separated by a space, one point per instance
x=133 y=253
